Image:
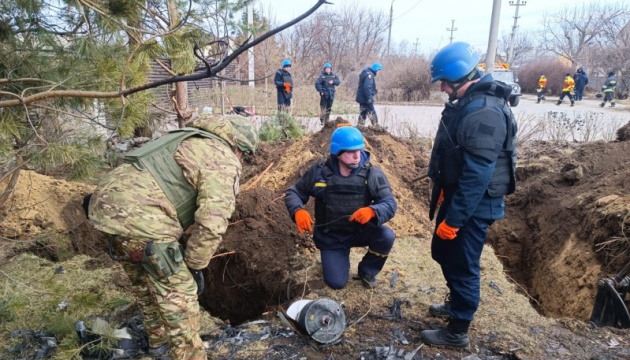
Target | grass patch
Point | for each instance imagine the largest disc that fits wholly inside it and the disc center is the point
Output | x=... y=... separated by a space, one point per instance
x=38 y=294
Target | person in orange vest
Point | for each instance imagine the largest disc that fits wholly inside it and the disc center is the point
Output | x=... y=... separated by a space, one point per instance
x=542 y=86
x=567 y=89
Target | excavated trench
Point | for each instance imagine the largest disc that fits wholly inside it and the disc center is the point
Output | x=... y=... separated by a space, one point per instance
x=564 y=227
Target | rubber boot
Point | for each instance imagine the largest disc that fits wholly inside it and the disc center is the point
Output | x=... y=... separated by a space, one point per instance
x=602 y=104
x=559 y=102
x=538 y=101
x=572 y=102
x=454 y=335
x=612 y=104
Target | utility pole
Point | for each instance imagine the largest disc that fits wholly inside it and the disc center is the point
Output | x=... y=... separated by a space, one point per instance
x=518 y=4
x=453 y=28
x=492 y=40
x=389 y=36
x=415 y=47
x=250 y=51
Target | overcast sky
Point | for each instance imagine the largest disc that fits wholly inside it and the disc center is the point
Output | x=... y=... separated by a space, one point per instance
x=426 y=21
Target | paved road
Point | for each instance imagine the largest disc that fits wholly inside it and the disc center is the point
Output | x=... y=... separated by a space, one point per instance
x=403 y=120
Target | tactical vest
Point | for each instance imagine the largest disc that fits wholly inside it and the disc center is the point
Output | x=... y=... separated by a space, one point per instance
x=286 y=77
x=326 y=78
x=156 y=157
x=447 y=159
x=343 y=196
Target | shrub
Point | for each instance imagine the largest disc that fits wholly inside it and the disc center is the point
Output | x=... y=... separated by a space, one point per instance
x=281 y=127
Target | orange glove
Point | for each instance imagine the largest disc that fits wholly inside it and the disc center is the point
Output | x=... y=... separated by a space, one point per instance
x=304 y=221
x=363 y=215
x=446 y=232
x=440 y=198
x=287 y=88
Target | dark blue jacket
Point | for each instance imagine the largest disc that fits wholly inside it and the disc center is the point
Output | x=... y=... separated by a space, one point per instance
x=297 y=196
x=470 y=196
x=323 y=87
x=581 y=80
x=281 y=77
x=367 y=86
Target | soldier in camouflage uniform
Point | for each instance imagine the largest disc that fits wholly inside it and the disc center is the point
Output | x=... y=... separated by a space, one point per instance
x=131 y=205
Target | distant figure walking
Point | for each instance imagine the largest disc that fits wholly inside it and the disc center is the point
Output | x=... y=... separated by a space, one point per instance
x=542 y=87
x=567 y=89
x=366 y=92
x=325 y=85
x=609 y=90
x=581 y=80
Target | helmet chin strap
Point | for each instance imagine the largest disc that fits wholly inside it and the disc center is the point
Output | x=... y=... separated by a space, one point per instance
x=460 y=83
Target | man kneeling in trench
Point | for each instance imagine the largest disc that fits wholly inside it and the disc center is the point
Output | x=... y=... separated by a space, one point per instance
x=352 y=202
x=185 y=180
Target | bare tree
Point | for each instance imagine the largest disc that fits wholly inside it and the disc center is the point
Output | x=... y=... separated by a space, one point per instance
x=570 y=32
x=349 y=38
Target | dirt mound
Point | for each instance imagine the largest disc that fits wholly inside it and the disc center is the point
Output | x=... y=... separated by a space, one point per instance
x=565 y=224
x=49 y=211
x=401 y=161
x=623 y=134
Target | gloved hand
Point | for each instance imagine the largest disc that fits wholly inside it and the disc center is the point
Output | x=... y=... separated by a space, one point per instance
x=198 y=276
x=440 y=198
x=304 y=221
x=370 y=101
x=363 y=215
x=446 y=232
x=287 y=88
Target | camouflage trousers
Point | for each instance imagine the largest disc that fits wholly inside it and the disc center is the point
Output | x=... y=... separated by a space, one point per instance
x=170 y=307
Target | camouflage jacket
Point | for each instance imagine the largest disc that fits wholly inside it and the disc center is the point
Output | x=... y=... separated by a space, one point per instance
x=130 y=203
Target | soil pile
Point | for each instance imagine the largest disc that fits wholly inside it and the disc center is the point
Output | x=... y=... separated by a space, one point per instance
x=567 y=224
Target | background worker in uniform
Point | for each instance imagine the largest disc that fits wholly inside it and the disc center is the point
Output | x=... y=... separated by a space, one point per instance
x=366 y=92
x=542 y=87
x=325 y=85
x=609 y=90
x=352 y=202
x=472 y=167
x=568 y=87
x=581 y=80
x=185 y=180
x=284 y=86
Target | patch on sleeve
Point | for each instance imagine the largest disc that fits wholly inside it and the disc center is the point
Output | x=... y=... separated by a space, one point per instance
x=369 y=76
x=381 y=180
x=486 y=129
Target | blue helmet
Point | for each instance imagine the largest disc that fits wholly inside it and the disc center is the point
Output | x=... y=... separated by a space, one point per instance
x=327 y=65
x=286 y=62
x=346 y=138
x=376 y=66
x=453 y=62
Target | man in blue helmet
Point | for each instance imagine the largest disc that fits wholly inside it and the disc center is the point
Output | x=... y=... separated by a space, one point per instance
x=352 y=202
x=325 y=86
x=473 y=167
x=366 y=92
x=284 y=86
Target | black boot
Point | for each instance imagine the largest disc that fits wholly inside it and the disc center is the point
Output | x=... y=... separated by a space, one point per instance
x=454 y=335
x=602 y=104
x=612 y=104
x=559 y=102
x=441 y=310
